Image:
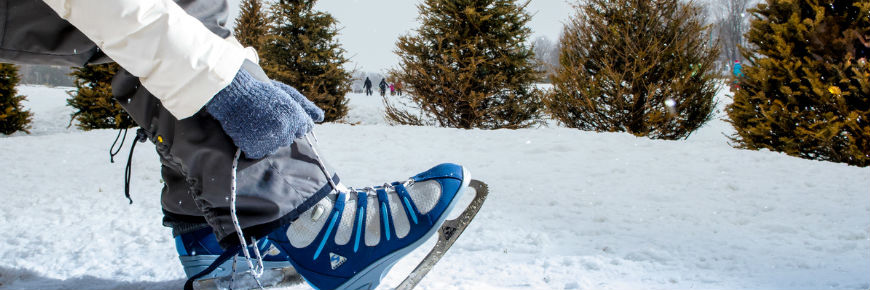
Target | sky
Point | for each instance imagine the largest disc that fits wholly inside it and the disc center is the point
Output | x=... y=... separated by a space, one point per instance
x=370 y=28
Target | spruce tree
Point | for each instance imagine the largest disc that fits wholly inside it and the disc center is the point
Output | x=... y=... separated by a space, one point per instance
x=95 y=108
x=251 y=25
x=468 y=66
x=806 y=90
x=645 y=67
x=301 y=50
x=13 y=117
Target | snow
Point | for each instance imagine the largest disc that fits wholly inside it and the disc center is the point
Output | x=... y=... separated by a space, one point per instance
x=568 y=209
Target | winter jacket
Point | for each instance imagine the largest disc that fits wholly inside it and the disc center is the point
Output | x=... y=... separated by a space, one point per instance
x=174 y=54
x=368 y=83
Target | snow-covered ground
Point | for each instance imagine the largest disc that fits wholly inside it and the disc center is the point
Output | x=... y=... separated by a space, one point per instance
x=568 y=209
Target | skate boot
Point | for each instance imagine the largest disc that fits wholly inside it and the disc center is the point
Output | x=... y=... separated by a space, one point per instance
x=199 y=249
x=352 y=238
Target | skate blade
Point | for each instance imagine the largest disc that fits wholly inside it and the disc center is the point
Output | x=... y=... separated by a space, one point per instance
x=278 y=277
x=447 y=235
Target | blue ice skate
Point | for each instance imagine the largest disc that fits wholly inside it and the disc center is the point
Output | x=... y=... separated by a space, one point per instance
x=352 y=238
x=199 y=249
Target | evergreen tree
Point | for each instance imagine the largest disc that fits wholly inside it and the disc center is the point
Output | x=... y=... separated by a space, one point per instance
x=468 y=66
x=13 y=117
x=806 y=90
x=251 y=25
x=640 y=66
x=95 y=108
x=301 y=50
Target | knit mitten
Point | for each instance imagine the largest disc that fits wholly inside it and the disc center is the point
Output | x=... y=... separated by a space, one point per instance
x=258 y=116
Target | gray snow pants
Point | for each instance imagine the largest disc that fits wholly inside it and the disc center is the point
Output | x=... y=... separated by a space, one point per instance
x=195 y=153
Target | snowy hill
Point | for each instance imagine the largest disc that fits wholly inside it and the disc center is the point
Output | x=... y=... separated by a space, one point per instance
x=568 y=209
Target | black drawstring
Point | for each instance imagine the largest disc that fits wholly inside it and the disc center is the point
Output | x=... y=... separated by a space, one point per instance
x=140 y=137
x=229 y=253
x=112 y=151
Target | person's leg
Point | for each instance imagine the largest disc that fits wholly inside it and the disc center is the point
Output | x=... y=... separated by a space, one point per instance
x=270 y=190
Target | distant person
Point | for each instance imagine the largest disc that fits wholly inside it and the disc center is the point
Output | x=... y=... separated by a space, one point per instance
x=383 y=87
x=392 y=89
x=738 y=73
x=368 y=86
x=399 y=88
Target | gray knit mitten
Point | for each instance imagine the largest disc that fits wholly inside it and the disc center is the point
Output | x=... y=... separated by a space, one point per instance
x=259 y=116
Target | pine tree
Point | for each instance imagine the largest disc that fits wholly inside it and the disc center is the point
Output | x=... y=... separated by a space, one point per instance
x=301 y=50
x=95 y=108
x=13 y=117
x=251 y=25
x=806 y=90
x=639 y=66
x=468 y=66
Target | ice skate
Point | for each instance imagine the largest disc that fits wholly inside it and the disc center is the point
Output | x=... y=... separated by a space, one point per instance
x=352 y=238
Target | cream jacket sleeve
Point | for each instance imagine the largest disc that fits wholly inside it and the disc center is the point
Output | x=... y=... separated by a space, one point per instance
x=175 y=56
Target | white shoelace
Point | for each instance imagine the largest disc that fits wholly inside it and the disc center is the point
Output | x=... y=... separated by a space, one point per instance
x=255 y=272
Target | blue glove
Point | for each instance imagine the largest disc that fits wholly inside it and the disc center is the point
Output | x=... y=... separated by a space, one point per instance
x=258 y=116
x=313 y=111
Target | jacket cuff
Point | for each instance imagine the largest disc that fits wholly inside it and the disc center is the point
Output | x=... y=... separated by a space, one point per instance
x=201 y=88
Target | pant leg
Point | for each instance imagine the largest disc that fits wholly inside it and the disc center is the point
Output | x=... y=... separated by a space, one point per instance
x=198 y=156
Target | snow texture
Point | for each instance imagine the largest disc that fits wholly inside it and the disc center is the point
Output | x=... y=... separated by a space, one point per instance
x=568 y=209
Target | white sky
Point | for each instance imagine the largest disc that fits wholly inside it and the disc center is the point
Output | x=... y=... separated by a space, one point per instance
x=370 y=28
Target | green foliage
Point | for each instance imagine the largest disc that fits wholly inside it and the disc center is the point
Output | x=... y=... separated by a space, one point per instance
x=468 y=66
x=95 y=108
x=301 y=50
x=13 y=117
x=638 y=66
x=251 y=25
x=805 y=93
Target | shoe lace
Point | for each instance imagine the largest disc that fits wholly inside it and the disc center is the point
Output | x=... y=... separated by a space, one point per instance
x=255 y=272
x=368 y=190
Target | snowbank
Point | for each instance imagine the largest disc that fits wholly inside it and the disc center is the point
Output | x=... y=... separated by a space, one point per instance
x=568 y=209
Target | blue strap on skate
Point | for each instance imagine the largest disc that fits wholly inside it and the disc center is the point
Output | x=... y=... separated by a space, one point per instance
x=362 y=200
x=229 y=253
x=385 y=212
x=337 y=209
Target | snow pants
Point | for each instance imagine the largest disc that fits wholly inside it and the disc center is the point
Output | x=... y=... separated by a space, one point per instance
x=195 y=153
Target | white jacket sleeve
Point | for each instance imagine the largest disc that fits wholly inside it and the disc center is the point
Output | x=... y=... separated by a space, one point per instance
x=175 y=56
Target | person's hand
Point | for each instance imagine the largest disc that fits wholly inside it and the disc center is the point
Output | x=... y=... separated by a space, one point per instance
x=259 y=116
x=313 y=111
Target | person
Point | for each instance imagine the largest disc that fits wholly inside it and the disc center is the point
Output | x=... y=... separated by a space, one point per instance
x=237 y=161
x=399 y=88
x=392 y=90
x=368 y=86
x=383 y=87
x=738 y=73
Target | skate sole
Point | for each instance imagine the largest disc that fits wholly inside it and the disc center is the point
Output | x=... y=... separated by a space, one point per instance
x=370 y=277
